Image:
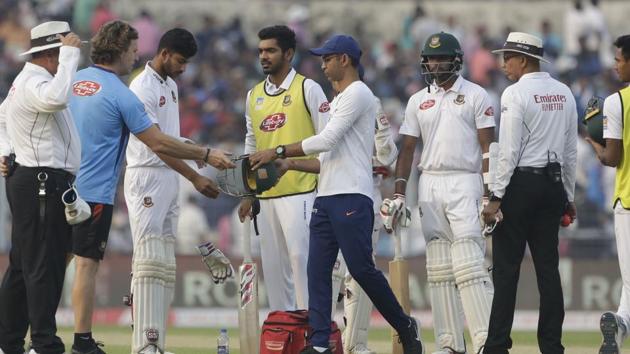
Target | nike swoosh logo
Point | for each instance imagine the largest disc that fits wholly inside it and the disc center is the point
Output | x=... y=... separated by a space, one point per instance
x=348 y=213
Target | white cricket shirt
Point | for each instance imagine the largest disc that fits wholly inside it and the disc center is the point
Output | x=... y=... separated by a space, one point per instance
x=161 y=102
x=346 y=144
x=447 y=122
x=538 y=125
x=39 y=125
x=613 y=117
x=316 y=102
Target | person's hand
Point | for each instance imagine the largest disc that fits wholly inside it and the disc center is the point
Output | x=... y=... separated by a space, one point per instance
x=4 y=166
x=220 y=159
x=599 y=148
x=282 y=166
x=205 y=186
x=245 y=209
x=260 y=158
x=571 y=210
x=391 y=210
x=70 y=40
x=491 y=212
x=218 y=264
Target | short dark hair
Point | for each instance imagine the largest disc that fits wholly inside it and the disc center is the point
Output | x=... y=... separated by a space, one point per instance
x=179 y=40
x=282 y=34
x=111 y=40
x=623 y=43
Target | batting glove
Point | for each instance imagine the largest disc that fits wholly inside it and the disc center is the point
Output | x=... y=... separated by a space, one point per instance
x=218 y=264
x=394 y=212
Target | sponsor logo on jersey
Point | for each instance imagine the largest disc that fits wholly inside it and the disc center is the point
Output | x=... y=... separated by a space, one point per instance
x=435 y=42
x=504 y=109
x=173 y=95
x=324 y=107
x=489 y=112
x=86 y=88
x=460 y=99
x=287 y=100
x=162 y=101
x=147 y=202
x=427 y=104
x=273 y=122
x=383 y=120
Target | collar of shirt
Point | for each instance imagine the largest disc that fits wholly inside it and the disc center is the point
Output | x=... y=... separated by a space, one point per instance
x=154 y=73
x=535 y=75
x=36 y=68
x=457 y=85
x=273 y=89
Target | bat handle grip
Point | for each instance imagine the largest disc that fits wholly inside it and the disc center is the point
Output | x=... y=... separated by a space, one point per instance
x=397 y=243
x=247 y=243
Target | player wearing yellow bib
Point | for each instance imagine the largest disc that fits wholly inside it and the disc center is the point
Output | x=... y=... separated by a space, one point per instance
x=284 y=108
x=614 y=326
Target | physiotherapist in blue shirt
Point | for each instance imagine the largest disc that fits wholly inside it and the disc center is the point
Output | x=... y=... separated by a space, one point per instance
x=105 y=112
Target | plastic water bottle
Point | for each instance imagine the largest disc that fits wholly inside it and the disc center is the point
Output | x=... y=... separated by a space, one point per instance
x=223 y=342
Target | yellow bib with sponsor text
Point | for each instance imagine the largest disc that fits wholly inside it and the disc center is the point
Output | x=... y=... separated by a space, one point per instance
x=622 y=179
x=282 y=119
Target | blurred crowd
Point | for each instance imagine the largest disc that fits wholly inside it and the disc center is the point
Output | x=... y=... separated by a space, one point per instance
x=214 y=87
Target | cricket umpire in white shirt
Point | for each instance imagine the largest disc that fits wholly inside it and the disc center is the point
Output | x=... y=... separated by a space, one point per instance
x=343 y=213
x=46 y=142
x=534 y=186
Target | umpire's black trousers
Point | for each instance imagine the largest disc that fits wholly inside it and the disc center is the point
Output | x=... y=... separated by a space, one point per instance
x=532 y=207
x=40 y=240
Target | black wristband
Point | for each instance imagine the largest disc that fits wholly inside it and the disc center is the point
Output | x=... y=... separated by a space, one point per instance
x=205 y=159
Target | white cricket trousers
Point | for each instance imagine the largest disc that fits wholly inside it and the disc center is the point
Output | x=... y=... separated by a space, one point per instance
x=284 y=238
x=622 y=235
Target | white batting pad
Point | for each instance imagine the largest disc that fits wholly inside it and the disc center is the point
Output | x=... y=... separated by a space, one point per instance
x=474 y=286
x=448 y=324
x=169 y=280
x=357 y=309
x=148 y=288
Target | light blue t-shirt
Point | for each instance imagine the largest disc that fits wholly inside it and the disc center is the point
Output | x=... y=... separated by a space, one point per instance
x=104 y=111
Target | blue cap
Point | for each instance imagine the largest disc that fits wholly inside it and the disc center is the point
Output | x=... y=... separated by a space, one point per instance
x=339 y=44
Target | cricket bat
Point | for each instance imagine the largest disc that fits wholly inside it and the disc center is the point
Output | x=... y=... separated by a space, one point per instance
x=249 y=332
x=399 y=281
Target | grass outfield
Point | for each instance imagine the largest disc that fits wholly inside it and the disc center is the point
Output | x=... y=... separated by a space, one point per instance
x=203 y=341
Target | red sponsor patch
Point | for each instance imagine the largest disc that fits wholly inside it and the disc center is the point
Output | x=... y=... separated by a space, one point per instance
x=325 y=107
x=489 y=112
x=162 y=101
x=86 y=88
x=427 y=104
x=273 y=122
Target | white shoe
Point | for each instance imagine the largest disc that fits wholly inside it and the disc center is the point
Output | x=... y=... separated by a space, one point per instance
x=77 y=210
x=613 y=331
x=361 y=349
x=32 y=351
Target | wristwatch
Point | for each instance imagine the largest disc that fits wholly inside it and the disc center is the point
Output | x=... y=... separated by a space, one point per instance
x=493 y=198
x=280 y=151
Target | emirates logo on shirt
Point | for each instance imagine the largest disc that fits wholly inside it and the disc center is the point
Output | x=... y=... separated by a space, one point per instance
x=324 y=107
x=489 y=112
x=427 y=104
x=162 y=101
x=273 y=122
x=86 y=88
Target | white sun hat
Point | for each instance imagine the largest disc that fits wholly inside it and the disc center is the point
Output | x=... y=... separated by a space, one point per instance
x=523 y=43
x=44 y=36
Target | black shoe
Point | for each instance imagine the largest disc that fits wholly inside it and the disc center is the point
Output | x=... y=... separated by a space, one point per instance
x=93 y=348
x=410 y=338
x=311 y=350
x=613 y=331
